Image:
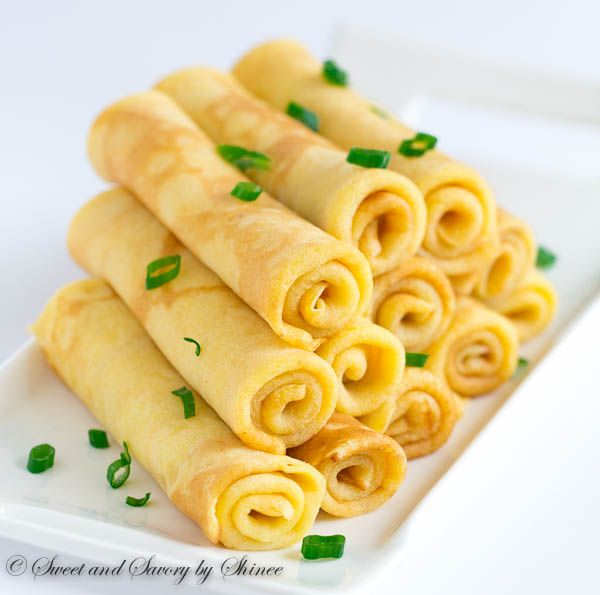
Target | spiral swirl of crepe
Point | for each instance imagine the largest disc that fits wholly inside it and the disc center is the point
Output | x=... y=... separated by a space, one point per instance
x=306 y=284
x=274 y=395
x=511 y=261
x=420 y=417
x=243 y=498
x=369 y=363
x=362 y=468
x=530 y=307
x=379 y=211
x=461 y=210
x=477 y=353
x=415 y=301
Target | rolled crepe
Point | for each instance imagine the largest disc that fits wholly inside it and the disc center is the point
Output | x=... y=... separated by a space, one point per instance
x=369 y=362
x=530 y=307
x=304 y=283
x=461 y=226
x=510 y=262
x=243 y=498
x=379 y=211
x=271 y=395
x=362 y=468
x=422 y=415
x=415 y=301
x=477 y=353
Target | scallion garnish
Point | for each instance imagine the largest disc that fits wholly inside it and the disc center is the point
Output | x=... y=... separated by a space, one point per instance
x=125 y=456
x=98 y=438
x=304 y=115
x=246 y=191
x=118 y=471
x=153 y=281
x=333 y=74
x=416 y=360
x=368 y=157
x=323 y=546
x=187 y=398
x=242 y=158
x=41 y=458
x=198 y=348
x=544 y=259
x=137 y=501
x=418 y=145
x=381 y=113
x=522 y=362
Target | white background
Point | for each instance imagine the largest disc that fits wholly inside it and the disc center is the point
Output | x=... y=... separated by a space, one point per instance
x=61 y=62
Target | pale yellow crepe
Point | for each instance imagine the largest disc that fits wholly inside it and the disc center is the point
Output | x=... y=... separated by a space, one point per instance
x=304 y=283
x=369 y=362
x=461 y=226
x=379 y=211
x=415 y=301
x=477 y=353
x=243 y=498
x=422 y=415
x=270 y=394
x=362 y=468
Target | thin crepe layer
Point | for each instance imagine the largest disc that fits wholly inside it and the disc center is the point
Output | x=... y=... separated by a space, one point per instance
x=415 y=301
x=379 y=211
x=271 y=395
x=304 y=283
x=362 y=468
x=477 y=353
x=461 y=217
x=245 y=499
x=369 y=363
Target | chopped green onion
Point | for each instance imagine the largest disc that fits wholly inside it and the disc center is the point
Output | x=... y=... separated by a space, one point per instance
x=545 y=259
x=418 y=145
x=187 y=398
x=333 y=74
x=137 y=501
x=98 y=438
x=377 y=110
x=368 y=157
x=41 y=458
x=198 y=348
x=125 y=456
x=153 y=281
x=246 y=191
x=304 y=115
x=118 y=471
x=323 y=546
x=522 y=362
x=242 y=158
x=416 y=360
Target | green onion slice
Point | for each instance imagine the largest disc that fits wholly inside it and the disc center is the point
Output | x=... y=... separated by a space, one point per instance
x=242 y=158
x=98 y=438
x=381 y=113
x=187 y=398
x=368 y=157
x=137 y=501
x=416 y=360
x=323 y=546
x=545 y=259
x=156 y=280
x=117 y=473
x=418 y=145
x=198 y=348
x=125 y=456
x=522 y=362
x=303 y=115
x=246 y=191
x=41 y=458
x=333 y=74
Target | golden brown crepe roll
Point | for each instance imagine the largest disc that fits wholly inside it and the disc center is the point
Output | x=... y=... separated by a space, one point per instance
x=477 y=353
x=369 y=362
x=362 y=468
x=511 y=261
x=530 y=307
x=461 y=224
x=420 y=417
x=379 y=211
x=271 y=395
x=415 y=301
x=243 y=498
x=304 y=283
